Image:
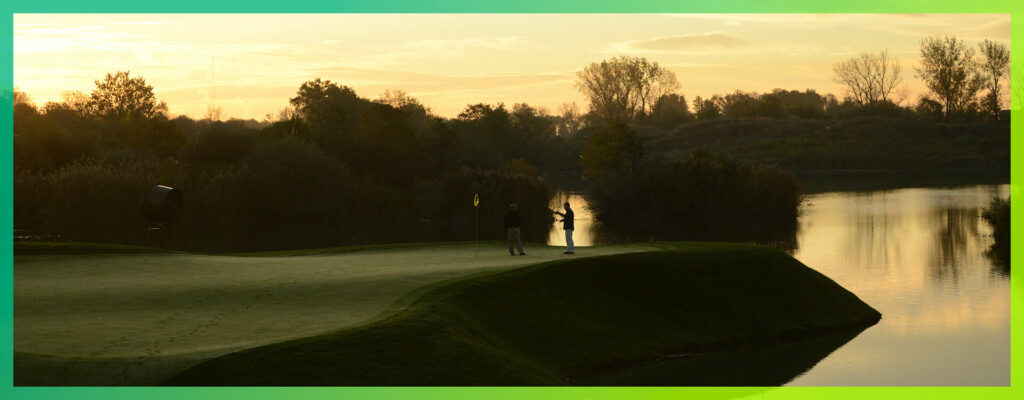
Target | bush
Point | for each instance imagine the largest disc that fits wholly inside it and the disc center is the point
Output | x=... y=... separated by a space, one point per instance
x=998 y=216
x=702 y=198
x=452 y=203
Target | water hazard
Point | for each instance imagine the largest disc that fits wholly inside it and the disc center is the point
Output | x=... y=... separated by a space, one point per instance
x=916 y=255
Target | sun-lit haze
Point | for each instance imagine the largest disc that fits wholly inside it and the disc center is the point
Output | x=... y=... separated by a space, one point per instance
x=250 y=65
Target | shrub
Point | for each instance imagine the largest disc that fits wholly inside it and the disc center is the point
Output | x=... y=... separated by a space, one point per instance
x=998 y=216
x=702 y=198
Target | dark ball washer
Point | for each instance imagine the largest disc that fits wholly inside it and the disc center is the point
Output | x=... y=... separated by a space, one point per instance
x=162 y=204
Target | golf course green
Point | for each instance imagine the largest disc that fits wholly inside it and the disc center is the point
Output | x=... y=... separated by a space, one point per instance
x=453 y=314
x=87 y=314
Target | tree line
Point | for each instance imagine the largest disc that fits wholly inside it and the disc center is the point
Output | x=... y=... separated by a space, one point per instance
x=333 y=167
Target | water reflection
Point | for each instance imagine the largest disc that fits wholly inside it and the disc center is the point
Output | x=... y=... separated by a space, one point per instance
x=764 y=365
x=590 y=232
x=916 y=255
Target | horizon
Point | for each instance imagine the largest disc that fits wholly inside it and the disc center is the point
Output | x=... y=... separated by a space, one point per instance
x=251 y=65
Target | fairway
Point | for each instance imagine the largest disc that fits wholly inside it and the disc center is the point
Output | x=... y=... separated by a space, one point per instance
x=135 y=319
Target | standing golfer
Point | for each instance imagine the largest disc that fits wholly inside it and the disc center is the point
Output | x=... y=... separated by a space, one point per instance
x=513 y=225
x=567 y=224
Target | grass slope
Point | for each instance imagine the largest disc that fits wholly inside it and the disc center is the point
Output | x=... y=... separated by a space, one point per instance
x=552 y=323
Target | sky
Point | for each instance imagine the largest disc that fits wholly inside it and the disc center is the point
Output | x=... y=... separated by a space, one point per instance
x=249 y=65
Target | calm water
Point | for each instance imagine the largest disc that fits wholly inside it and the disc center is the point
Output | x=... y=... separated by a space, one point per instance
x=917 y=256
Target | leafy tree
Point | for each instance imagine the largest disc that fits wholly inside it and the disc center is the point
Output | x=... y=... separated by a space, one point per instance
x=869 y=77
x=737 y=104
x=949 y=70
x=121 y=95
x=995 y=67
x=705 y=109
x=670 y=110
x=22 y=98
x=612 y=151
x=621 y=87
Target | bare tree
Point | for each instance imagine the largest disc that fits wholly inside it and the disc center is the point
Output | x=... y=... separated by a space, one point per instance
x=570 y=120
x=213 y=113
x=869 y=77
x=949 y=70
x=398 y=99
x=620 y=87
x=654 y=82
x=995 y=67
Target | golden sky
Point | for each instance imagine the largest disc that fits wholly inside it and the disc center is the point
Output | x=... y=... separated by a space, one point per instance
x=250 y=65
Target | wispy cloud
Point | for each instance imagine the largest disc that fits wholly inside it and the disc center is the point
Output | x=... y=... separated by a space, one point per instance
x=462 y=45
x=709 y=40
x=417 y=81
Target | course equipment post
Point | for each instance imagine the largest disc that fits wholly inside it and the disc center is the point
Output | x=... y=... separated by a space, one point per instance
x=476 y=222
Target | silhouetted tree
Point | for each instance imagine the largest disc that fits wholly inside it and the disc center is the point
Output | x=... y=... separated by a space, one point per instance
x=570 y=120
x=120 y=95
x=22 y=98
x=928 y=109
x=949 y=70
x=995 y=67
x=621 y=87
x=612 y=151
x=670 y=110
x=706 y=109
x=869 y=77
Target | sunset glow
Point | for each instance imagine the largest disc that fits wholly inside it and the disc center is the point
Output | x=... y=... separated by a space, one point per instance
x=250 y=65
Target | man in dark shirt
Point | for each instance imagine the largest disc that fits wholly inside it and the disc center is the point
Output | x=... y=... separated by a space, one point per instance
x=512 y=225
x=568 y=226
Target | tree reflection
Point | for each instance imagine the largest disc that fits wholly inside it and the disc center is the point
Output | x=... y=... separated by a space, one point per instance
x=955 y=229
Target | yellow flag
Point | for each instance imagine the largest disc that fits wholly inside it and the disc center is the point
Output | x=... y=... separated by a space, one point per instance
x=476 y=199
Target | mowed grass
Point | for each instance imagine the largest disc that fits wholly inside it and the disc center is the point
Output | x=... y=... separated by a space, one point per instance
x=560 y=322
x=89 y=314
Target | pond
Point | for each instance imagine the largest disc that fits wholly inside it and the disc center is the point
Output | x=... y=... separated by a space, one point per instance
x=916 y=255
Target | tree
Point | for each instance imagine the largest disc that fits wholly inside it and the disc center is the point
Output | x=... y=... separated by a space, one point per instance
x=22 y=98
x=869 y=77
x=705 y=109
x=670 y=110
x=655 y=82
x=995 y=67
x=570 y=120
x=928 y=109
x=401 y=100
x=121 y=95
x=612 y=151
x=949 y=70
x=620 y=87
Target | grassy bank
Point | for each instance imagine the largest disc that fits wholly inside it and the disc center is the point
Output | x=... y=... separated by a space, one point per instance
x=554 y=323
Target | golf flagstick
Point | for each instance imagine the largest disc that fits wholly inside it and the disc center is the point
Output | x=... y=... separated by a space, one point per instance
x=476 y=222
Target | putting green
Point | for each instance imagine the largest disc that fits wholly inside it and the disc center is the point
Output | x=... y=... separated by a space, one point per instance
x=116 y=319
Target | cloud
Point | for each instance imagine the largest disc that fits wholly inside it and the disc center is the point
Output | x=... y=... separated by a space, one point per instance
x=460 y=45
x=417 y=81
x=683 y=43
x=991 y=30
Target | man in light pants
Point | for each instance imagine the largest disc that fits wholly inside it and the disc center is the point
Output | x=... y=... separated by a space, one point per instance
x=567 y=224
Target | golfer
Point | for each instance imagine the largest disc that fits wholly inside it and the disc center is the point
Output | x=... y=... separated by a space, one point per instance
x=513 y=225
x=567 y=225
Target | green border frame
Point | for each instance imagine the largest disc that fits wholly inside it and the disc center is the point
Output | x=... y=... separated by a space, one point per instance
x=1013 y=7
